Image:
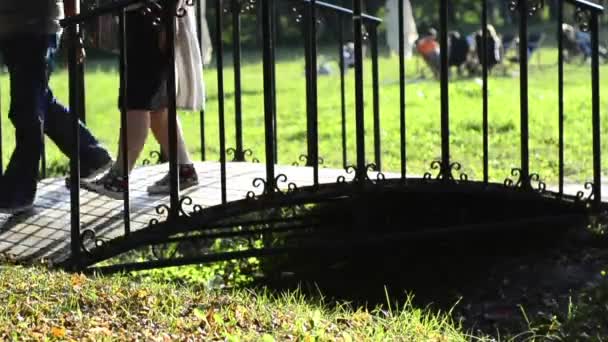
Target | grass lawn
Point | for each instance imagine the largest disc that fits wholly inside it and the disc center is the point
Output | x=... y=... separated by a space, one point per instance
x=52 y=305
x=423 y=115
x=43 y=305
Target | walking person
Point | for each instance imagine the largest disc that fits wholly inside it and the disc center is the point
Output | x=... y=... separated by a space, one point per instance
x=29 y=37
x=147 y=100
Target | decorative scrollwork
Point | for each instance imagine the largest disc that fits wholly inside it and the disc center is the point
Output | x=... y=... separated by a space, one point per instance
x=296 y=12
x=530 y=182
x=247 y=5
x=153 y=11
x=583 y=19
x=372 y=167
x=580 y=195
x=304 y=158
x=257 y=183
x=291 y=187
x=90 y=235
x=540 y=185
x=161 y=210
x=445 y=173
x=282 y=178
x=350 y=169
x=181 y=9
x=241 y=156
x=510 y=183
x=184 y=201
x=532 y=5
x=154 y=155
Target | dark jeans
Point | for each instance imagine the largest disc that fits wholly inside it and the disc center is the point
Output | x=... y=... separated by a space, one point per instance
x=35 y=111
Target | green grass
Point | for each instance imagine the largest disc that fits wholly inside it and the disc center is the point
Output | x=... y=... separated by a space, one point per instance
x=43 y=305
x=423 y=116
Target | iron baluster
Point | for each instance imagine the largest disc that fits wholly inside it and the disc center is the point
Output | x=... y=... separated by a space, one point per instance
x=169 y=17
x=361 y=169
x=595 y=105
x=308 y=70
x=560 y=94
x=239 y=154
x=43 y=156
x=199 y=36
x=523 y=95
x=402 y=122
x=484 y=66
x=313 y=134
x=74 y=98
x=124 y=144
x=269 y=99
x=1 y=154
x=342 y=87
x=273 y=9
x=376 y=95
x=445 y=104
x=81 y=71
x=220 y=96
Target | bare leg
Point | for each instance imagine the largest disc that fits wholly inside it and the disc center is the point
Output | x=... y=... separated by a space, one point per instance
x=159 y=122
x=138 y=124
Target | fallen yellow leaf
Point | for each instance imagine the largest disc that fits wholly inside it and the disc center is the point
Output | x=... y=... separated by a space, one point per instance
x=58 y=332
x=78 y=279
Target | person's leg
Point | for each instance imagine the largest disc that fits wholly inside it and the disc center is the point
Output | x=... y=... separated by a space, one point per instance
x=159 y=123
x=113 y=183
x=93 y=157
x=25 y=58
x=187 y=173
x=138 y=124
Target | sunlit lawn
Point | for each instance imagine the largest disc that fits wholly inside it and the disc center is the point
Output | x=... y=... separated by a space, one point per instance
x=423 y=115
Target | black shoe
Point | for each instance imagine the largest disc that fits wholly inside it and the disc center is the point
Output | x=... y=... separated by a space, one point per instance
x=96 y=170
x=89 y=174
x=14 y=208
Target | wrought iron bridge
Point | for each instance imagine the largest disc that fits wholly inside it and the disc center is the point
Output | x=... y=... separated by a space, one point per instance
x=275 y=208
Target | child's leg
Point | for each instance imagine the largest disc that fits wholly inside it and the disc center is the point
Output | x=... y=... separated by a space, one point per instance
x=138 y=124
x=159 y=122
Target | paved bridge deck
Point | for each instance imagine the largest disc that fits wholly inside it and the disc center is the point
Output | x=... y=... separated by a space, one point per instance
x=44 y=233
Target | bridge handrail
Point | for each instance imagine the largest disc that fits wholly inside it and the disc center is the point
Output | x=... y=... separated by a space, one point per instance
x=345 y=10
x=122 y=4
x=588 y=5
x=98 y=12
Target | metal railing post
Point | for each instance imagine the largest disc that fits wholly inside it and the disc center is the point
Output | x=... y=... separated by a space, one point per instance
x=523 y=92
x=445 y=102
x=269 y=95
x=220 y=96
x=361 y=168
x=595 y=105
x=75 y=244
x=124 y=122
x=169 y=17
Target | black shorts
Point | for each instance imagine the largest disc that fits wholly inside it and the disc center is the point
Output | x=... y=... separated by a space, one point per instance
x=147 y=68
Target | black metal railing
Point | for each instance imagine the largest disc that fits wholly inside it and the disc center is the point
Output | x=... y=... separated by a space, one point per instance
x=365 y=32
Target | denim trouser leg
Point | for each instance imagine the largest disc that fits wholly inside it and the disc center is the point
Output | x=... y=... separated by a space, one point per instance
x=26 y=62
x=58 y=123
